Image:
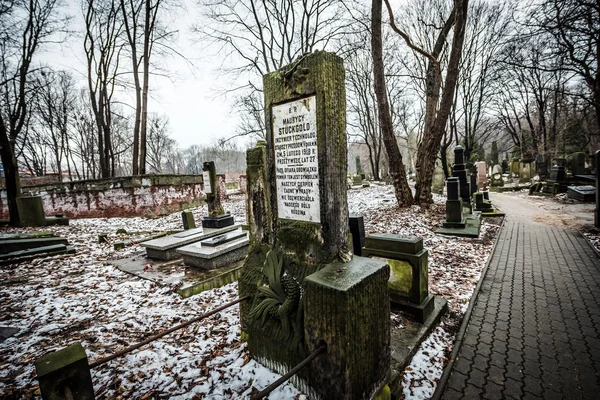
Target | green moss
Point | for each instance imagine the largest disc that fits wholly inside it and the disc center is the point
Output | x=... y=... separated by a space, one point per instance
x=401 y=275
x=384 y=394
x=298 y=237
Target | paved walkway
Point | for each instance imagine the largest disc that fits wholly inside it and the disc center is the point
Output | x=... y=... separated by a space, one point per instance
x=535 y=328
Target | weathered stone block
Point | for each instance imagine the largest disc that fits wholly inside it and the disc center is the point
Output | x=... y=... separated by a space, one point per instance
x=31 y=211
x=347 y=307
x=65 y=374
x=409 y=271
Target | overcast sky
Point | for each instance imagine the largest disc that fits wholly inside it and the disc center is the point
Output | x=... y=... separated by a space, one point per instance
x=189 y=96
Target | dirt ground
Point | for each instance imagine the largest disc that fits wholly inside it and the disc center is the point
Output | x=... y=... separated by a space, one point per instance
x=554 y=211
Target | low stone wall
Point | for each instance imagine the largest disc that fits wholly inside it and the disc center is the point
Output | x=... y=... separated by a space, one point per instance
x=148 y=195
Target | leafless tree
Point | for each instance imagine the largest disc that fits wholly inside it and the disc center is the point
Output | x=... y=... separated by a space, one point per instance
x=574 y=26
x=488 y=29
x=438 y=102
x=84 y=137
x=160 y=145
x=144 y=33
x=26 y=26
x=54 y=110
x=103 y=27
x=258 y=37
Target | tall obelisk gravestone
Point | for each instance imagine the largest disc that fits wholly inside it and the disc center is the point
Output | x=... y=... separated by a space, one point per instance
x=304 y=284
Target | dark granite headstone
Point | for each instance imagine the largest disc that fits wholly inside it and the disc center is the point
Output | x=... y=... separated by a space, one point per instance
x=357 y=230
x=188 y=220
x=459 y=171
x=578 y=163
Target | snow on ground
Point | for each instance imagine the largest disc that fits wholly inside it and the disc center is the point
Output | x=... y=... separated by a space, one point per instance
x=58 y=300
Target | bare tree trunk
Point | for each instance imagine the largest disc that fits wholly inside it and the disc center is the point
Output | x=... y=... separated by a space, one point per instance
x=148 y=31
x=430 y=146
x=131 y=31
x=396 y=166
x=11 y=174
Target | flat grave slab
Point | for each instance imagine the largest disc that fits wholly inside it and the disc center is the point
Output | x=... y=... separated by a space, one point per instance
x=163 y=248
x=188 y=280
x=211 y=255
x=21 y=244
x=581 y=193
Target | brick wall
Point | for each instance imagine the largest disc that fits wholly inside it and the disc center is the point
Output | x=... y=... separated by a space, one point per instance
x=149 y=195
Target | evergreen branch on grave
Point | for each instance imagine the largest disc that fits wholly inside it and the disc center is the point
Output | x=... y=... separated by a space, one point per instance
x=278 y=302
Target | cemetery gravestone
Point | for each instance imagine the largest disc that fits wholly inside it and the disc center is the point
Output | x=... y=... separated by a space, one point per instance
x=541 y=166
x=459 y=171
x=481 y=174
x=525 y=170
x=556 y=183
x=216 y=215
x=303 y=281
x=578 y=163
x=505 y=167
x=454 y=205
x=188 y=220
x=472 y=170
x=514 y=167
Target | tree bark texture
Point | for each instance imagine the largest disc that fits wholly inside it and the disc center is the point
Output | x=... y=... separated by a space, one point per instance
x=396 y=167
x=11 y=174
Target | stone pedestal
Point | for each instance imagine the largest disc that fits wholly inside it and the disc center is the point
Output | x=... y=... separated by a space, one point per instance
x=220 y=221
x=65 y=374
x=454 y=214
x=347 y=307
x=454 y=206
x=481 y=204
x=409 y=272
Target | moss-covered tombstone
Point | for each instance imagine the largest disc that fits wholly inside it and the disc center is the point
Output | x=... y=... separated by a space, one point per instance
x=298 y=219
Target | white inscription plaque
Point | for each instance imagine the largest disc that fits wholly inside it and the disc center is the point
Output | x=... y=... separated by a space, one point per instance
x=206 y=179
x=296 y=160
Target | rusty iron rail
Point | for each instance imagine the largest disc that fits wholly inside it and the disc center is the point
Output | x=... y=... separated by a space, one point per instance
x=170 y=330
x=292 y=372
